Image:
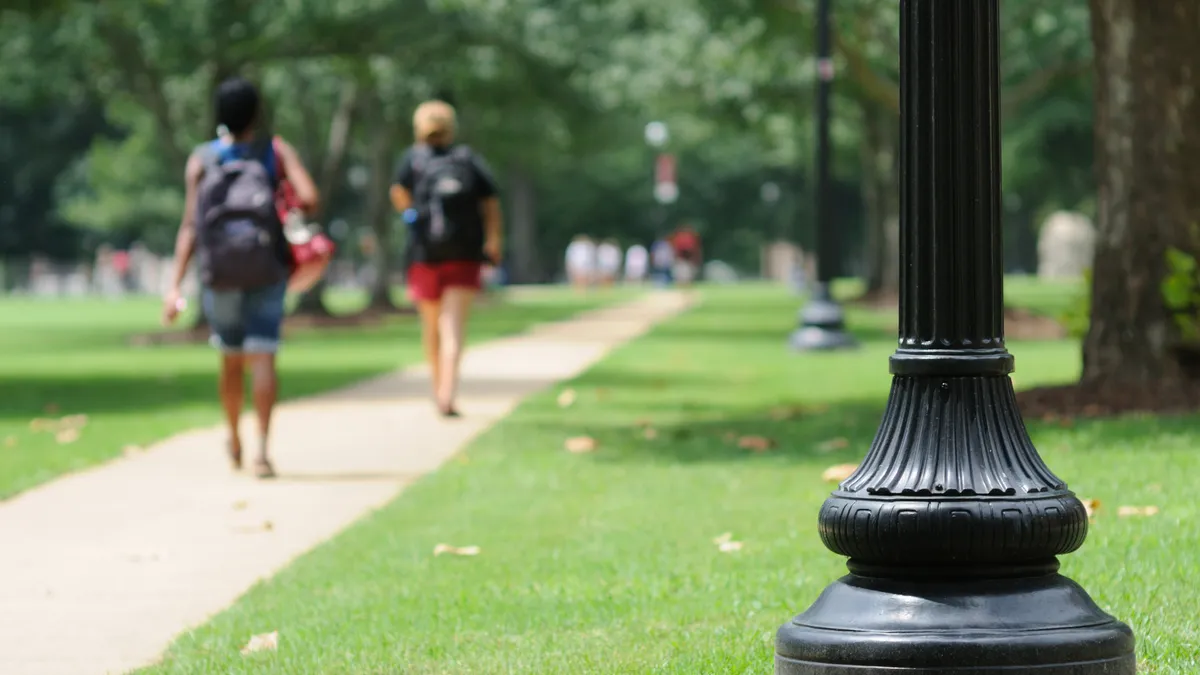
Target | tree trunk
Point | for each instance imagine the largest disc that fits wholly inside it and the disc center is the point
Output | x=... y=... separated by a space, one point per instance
x=1148 y=166
x=379 y=209
x=879 y=190
x=522 y=208
x=329 y=174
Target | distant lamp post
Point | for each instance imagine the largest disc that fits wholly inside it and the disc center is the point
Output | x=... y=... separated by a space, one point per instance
x=822 y=321
x=952 y=523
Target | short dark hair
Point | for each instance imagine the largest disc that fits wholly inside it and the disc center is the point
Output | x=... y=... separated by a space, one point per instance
x=238 y=104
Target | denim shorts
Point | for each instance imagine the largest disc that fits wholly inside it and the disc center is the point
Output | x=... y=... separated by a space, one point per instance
x=246 y=321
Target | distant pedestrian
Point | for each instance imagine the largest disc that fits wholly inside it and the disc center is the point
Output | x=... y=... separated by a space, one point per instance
x=231 y=221
x=662 y=259
x=581 y=262
x=608 y=261
x=686 y=244
x=637 y=263
x=450 y=201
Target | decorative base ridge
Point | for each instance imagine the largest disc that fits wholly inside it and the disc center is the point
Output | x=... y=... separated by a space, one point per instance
x=952 y=478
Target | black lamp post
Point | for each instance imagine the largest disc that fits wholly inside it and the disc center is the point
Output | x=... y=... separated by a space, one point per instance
x=952 y=523
x=822 y=322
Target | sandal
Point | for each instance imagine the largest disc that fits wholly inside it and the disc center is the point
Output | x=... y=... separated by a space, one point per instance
x=235 y=455
x=263 y=469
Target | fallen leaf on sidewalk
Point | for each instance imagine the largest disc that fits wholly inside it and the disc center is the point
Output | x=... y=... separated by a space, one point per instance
x=67 y=436
x=833 y=444
x=240 y=505
x=441 y=549
x=1091 y=506
x=567 y=398
x=1136 y=511
x=581 y=444
x=838 y=472
x=267 y=642
x=265 y=526
x=756 y=443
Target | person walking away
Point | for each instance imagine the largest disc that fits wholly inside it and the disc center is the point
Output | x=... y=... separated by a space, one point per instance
x=581 y=262
x=662 y=257
x=686 y=244
x=608 y=261
x=230 y=221
x=450 y=201
x=637 y=260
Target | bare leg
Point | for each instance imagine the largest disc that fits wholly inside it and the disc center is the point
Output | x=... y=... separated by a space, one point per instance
x=231 y=387
x=266 y=391
x=430 y=311
x=456 y=308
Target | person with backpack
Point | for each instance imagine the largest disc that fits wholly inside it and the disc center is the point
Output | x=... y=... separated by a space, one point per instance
x=232 y=225
x=449 y=200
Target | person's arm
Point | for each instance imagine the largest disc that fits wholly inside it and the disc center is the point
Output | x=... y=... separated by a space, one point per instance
x=298 y=176
x=490 y=211
x=185 y=239
x=402 y=185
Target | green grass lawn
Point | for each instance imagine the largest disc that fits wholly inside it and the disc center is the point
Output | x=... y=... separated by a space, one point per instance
x=67 y=357
x=605 y=562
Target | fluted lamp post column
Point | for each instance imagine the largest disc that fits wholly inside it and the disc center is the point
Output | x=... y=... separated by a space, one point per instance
x=952 y=523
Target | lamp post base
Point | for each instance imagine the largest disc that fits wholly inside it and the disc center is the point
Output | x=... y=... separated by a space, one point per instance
x=1043 y=625
x=822 y=325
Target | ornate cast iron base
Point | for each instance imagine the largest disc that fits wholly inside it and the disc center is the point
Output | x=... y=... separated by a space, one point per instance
x=1043 y=625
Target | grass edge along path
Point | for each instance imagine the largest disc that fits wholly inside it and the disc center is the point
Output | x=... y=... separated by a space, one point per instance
x=72 y=359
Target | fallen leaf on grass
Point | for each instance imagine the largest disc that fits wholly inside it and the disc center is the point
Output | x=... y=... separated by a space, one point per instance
x=567 y=398
x=267 y=642
x=1136 y=511
x=441 y=549
x=10 y=442
x=581 y=444
x=643 y=422
x=838 y=472
x=50 y=408
x=650 y=433
x=1091 y=506
x=131 y=450
x=756 y=443
x=67 y=436
x=70 y=422
x=726 y=544
x=729 y=436
x=787 y=412
x=833 y=444
x=601 y=393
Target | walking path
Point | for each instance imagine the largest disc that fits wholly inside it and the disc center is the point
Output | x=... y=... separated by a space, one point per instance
x=101 y=570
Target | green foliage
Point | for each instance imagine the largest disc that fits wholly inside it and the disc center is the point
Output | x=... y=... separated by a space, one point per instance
x=1181 y=292
x=1078 y=316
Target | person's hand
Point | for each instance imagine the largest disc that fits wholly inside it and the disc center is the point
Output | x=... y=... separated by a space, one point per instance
x=493 y=250
x=173 y=304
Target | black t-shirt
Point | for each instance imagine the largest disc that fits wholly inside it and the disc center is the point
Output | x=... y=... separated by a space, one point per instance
x=468 y=242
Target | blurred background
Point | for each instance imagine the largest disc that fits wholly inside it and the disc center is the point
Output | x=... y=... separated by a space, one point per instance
x=583 y=109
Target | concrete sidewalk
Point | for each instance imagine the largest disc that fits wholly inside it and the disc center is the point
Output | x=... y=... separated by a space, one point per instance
x=101 y=570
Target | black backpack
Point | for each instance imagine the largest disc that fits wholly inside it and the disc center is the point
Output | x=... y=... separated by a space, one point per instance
x=238 y=233
x=444 y=196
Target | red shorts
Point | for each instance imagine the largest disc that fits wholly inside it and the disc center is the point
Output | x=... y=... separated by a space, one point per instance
x=427 y=281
